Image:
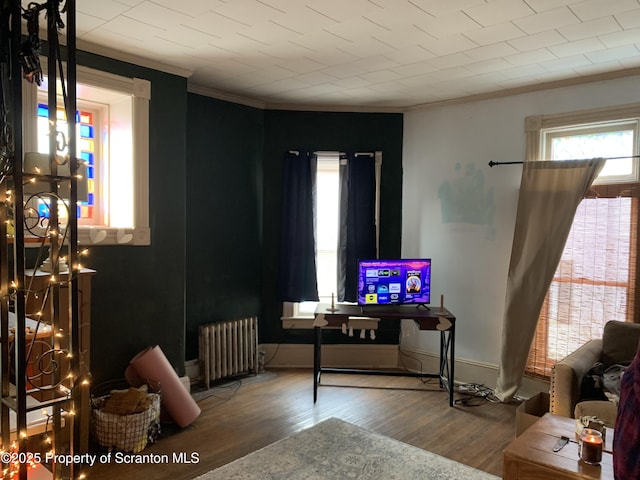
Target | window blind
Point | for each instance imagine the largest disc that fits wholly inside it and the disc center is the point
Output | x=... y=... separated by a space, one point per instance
x=596 y=279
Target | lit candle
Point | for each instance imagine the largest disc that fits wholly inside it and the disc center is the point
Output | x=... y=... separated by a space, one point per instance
x=590 y=446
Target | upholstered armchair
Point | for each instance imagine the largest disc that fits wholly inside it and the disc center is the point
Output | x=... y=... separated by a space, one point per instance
x=618 y=345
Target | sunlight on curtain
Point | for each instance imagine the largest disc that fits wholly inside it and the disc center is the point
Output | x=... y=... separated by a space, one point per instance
x=595 y=280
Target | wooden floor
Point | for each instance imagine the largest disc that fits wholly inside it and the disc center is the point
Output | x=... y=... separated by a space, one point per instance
x=252 y=413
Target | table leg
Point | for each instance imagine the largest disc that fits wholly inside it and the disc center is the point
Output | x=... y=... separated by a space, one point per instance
x=317 y=348
x=452 y=360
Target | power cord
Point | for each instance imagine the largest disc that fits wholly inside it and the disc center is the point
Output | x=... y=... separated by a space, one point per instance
x=403 y=354
x=475 y=394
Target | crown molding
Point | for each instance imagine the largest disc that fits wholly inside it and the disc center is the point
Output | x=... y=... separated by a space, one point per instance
x=226 y=96
x=131 y=58
x=508 y=92
x=334 y=108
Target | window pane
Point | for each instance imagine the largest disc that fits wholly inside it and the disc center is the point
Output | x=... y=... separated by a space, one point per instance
x=610 y=144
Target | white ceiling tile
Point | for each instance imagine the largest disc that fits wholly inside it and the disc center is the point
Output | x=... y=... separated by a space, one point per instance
x=115 y=40
x=448 y=45
x=499 y=11
x=599 y=26
x=368 y=52
x=342 y=11
x=631 y=62
x=247 y=12
x=590 y=9
x=353 y=30
x=380 y=76
x=350 y=82
x=415 y=69
x=366 y=47
x=301 y=65
x=410 y=54
x=627 y=37
x=156 y=15
x=544 y=5
x=280 y=86
x=319 y=41
x=397 y=17
x=376 y=62
x=528 y=70
x=344 y=70
x=488 y=66
x=104 y=9
x=531 y=57
x=440 y=7
x=613 y=54
x=186 y=36
x=332 y=56
x=316 y=78
x=548 y=20
x=629 y=19
x=300 y=18
x=86 y=23
x=538 y=40
x=446 y=25
x=193 y=8
x=562 y=64
x=487 y=52
x=269 y=32
x=451 y=61
x=403 y=38
x=598 y=68
x=131 y=28
x=214 y=24
x=499 y=32
x=578 y=47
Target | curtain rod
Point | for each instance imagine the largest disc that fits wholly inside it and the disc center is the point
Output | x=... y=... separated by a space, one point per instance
x=492 y=163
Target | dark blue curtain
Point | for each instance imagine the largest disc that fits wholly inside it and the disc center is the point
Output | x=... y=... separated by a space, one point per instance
x=357 y=220
x=297 y=275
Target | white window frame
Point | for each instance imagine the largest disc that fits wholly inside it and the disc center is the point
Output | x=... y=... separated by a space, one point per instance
x=140 y=91
x=537 y=126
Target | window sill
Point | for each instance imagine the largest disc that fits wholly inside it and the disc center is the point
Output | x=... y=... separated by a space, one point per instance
x=303 y=323
x=88 y=236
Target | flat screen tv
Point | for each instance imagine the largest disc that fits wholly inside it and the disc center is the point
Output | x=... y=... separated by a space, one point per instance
x=394 y=282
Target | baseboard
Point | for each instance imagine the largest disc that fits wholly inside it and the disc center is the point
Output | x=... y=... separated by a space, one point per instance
x=389 y=356
x=469 y=371
x=356 y=356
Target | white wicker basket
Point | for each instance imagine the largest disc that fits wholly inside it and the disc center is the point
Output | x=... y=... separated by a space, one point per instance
x=128 y=433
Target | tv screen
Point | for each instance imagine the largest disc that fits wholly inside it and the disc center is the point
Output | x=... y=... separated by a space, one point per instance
x=394 y=282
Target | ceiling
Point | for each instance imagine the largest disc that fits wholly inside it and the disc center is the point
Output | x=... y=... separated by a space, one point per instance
x=367 y=54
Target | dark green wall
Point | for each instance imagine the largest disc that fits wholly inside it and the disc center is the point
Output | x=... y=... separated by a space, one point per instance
x=138 y=291
x=215 y=175
x=285 y=130
x=224 y=213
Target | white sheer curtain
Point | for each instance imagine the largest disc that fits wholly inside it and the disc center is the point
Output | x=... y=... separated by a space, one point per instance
x=550 y=192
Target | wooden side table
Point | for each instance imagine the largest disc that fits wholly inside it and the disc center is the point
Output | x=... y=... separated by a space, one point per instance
x=531 y=455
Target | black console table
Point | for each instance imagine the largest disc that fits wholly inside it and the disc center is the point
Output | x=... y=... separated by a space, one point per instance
x=435 y=319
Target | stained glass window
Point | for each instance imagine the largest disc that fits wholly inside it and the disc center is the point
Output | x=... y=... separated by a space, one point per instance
x=86 y=150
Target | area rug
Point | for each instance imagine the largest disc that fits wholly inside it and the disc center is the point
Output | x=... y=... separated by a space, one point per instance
x=335 y=449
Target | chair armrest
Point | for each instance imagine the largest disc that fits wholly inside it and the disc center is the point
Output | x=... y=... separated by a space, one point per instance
x=567 y=374
x=604 y=410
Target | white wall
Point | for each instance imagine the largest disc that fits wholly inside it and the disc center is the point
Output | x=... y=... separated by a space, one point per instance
x=470 y=261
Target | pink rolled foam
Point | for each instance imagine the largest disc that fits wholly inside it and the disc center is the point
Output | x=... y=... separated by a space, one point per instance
x=151 y=364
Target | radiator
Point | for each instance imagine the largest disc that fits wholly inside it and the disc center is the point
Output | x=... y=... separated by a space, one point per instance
x=228 y=348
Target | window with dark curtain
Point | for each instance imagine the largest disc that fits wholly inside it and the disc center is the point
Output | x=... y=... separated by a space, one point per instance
x=297 y=273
